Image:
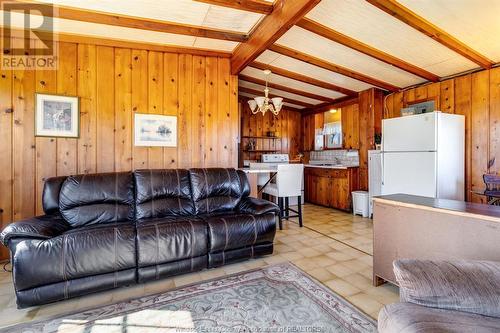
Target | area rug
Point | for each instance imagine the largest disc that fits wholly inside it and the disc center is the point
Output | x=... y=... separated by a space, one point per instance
x=278 y=298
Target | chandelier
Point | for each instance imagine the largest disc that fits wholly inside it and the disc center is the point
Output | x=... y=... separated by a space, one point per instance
x=264 y=103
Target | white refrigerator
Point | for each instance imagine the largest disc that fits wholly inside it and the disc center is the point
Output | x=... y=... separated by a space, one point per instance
x=424 y=155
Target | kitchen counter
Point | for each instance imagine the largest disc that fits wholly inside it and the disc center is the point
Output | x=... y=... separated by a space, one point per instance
x=461 y=208
x=255 y=170
x=327 y=166
x=408 y=226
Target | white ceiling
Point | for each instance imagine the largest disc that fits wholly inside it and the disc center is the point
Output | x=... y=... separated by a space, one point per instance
x=294 y=65
x=474 y=22
x=250 y=96
x=366 y=23
x=257 y=73
x=307 y=42
x=281 y=93
x=179 y=11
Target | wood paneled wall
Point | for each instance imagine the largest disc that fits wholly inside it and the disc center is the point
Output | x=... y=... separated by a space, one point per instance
x=286 y=124
x=477 y=97
x=113 y=84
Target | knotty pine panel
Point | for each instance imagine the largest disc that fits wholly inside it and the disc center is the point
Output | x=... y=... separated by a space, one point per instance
x=155 y=102
x=67 y=149
x=287 y=125
x=114 y=83
x=6 y=175
x=477 y=97
x=105 y=109
x=46 y=148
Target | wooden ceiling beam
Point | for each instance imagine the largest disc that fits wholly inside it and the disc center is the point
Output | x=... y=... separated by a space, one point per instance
x=284 y=15
x=338 y=103
x=303 y=78
x=285 y=88
x=123 y=43
x=285 y=99
x=91 y=16
x=417 y=22
x=255 y=6
x=332 y=67
x=354 y=44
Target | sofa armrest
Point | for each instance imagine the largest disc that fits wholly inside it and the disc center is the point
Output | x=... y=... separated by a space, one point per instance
x=39 y=227
x=461 y=285
x=250 y=205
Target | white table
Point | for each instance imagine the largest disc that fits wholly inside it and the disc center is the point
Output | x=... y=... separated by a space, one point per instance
x=252 y=175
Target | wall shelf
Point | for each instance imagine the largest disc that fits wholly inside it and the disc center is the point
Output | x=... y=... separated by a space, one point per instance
x=261 y=150
x=261 y=137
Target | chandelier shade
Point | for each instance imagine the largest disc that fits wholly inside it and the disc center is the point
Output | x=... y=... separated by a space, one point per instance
x=263 y=104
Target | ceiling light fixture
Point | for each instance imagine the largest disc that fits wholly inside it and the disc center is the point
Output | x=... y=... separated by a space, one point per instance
x=264 y=103
x=333 y=111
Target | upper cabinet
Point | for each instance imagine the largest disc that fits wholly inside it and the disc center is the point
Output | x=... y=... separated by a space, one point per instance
x=350 y=126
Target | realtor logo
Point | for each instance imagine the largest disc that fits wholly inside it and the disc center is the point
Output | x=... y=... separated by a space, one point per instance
x=28 y=39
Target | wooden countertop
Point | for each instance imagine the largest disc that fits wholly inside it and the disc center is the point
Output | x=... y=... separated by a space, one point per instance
x=256 y=170
x=463 y=208
x=338 y=167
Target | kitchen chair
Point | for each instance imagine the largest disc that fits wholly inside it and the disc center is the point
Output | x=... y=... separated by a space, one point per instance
x=288 y=184
x=492 y=191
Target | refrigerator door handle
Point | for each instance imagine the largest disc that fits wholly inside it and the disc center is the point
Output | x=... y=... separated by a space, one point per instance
x=382 y=169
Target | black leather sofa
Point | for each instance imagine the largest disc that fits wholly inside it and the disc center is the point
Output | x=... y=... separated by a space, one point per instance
x=103 y=231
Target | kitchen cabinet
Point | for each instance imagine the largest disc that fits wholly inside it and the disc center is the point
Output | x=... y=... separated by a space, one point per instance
x=330 y=187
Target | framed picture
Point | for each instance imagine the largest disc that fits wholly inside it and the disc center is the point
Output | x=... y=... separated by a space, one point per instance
x=152 y=130
x=57 y=116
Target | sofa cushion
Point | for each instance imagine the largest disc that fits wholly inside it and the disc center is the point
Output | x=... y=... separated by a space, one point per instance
x=412 y=318
x=76 y=253
x=233 y=231
x=215 y=189
x=170 y=239
x=470 y=286
x=50 y=194
x=40 y=227
x=161 y=193
x=97 y=198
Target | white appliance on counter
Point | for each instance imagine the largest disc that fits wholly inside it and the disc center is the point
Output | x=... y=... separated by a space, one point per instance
x=424 y=155
x=275 y=158
x=271 y=161
x=374 y=177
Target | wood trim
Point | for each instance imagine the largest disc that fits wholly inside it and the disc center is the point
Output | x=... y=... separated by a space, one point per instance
x=255 y=6
x=284 y=16
x=285 y=99
x=331 y=67
x=244 y=99
x=91 y=16
x=82 y=39
x=354 y=44
x=303 y=78
x=417 y=22
x=286 y=88
x=339 y=103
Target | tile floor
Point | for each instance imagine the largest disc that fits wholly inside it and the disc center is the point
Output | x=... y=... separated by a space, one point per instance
x=334 y=247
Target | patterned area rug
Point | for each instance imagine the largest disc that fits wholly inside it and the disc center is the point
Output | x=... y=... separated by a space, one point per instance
x=276 y=299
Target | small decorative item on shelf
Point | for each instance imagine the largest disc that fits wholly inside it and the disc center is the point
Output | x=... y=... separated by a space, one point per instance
x=271 y=134
x=251 y=145
x=378 y=141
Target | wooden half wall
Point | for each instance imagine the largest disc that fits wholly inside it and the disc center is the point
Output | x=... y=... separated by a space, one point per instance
x=113 y=84
x=477 y=97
